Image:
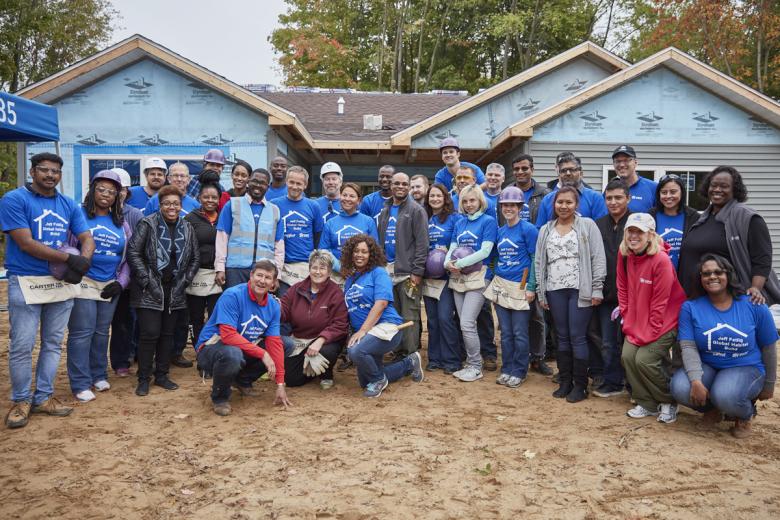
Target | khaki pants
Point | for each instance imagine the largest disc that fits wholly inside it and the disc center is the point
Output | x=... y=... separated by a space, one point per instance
x=648 y=370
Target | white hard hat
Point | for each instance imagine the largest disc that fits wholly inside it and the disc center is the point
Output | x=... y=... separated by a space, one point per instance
x=124 y=177
x=155 y=162
x=330 y=167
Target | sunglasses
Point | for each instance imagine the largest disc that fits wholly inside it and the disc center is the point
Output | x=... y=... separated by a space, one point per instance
x=716 y=272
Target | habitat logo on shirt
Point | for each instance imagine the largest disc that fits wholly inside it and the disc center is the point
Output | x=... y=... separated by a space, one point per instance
x=107 y=241
x=726 y=341
x=51 y=227
x=296 y=225
x=253 y=328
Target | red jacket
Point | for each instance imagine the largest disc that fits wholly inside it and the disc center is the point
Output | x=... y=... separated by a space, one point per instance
x=649 y=295
x=326 y=315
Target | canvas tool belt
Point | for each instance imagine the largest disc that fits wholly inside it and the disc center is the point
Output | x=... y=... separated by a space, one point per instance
x=507 y=294
x=433 y=288
x=204 y=283
x=90 y=289
x=294 y=273
x=46 y=289
x=468 y=282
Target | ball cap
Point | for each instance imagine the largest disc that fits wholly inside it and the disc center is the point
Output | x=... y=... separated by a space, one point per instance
x=641 y=221
x=624 y=149
x=330 y=167
x=449 y=142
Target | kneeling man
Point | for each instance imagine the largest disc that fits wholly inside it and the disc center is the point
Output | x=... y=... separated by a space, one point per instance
x=241 y=340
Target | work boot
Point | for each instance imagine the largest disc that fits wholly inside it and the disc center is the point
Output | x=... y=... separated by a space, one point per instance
x=18 y=415
x=181 y=361
x=564 y=375
x=52 y=406
x=143 y=388
x=490 y=365
x=541 y=367
x=742 y=428
x=247 y=391
x=166 y=383
x=222 y=409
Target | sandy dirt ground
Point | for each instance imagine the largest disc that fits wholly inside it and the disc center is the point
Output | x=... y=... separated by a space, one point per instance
x=439 y=449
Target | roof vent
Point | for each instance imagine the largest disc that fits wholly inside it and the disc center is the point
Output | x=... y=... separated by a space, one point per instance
x=372 y=122
x=341 y=103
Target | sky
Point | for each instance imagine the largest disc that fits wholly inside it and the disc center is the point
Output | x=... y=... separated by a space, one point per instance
x=229 y=37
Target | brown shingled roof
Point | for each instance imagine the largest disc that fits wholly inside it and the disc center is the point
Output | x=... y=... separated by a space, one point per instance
x=317 y=112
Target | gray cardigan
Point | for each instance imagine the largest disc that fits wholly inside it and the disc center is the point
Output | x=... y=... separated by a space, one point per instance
x=592 y=260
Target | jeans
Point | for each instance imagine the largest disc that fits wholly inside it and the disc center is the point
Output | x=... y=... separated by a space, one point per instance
x=486 y=331
x=571 y=322
x=514 y=341
x=293 y=365
x=88 y=342
x=156 y=342
x=124 y=333
x=443 y=334
x=648 y=370
x=367 y=356
x=610 y=348
x=731 y=390
x=24 y=322
x=537 y=331
x=235 y=276
x=199 y=306
x=469 y=305
x=228 y=365
x=409 y=310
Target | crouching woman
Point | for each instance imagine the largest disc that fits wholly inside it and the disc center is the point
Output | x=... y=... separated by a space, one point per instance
x=728 y=349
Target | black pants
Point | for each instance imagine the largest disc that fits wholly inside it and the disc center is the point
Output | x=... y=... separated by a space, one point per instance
x=156 y=340
x=293 y=366
x=124 y=333
x=198 y=307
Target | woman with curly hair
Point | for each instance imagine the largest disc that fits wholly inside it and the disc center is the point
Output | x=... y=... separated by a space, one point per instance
x=734 y=231
x=368 y=292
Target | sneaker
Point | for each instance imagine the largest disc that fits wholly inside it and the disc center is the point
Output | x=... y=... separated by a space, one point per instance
x=181 y=362
x=432 y=366
x=606 y=390
x=490 y=365
x=741 y=428
x=540 y=366
x=247 y=391
x=451 y=370
x=597 y=381
x=469 y=374
x=417 y=369
x=222 y=409
x=667 y=413
x=502 y=379
x=18 y=415
x=52 y=406
x=514 y=381
x=85 y=396
x=326 y=384
x=639 y=412
x=375 y=389
x=122 y=372
x=166 y=383
x=102 y=385
x=142 y=389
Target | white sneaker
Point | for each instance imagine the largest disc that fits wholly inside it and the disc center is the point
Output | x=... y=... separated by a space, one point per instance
x=469 y=374
x=85 y=396
x=102 y=385
x=514 y=381
x=502 y=379
x=639 y=412
x=667 y=413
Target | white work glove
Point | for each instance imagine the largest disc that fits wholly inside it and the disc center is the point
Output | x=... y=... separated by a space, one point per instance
x=315 y=365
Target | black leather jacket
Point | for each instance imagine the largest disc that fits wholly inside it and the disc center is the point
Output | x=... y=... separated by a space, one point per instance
x=146 y=289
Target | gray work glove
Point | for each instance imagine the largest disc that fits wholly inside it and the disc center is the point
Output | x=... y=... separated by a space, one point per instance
x=315 y=365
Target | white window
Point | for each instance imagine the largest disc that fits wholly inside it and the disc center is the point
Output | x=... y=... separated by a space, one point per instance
x=133 y=164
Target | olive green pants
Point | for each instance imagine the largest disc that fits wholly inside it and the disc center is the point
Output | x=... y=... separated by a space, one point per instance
x=648 y=370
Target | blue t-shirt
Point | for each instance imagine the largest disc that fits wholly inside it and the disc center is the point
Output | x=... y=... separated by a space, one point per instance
x=472 y=233
x=591 y=205
x=671 y=230
x=525 y=212
x=109 y=247
x=300 y=222
x=237 y=308
x=440 y=234
x=225 y=221
x=372 y=205
x=390 y=234
x=361 y=292
x=444 y=176
x=328 y=208
x=48 y=218
x=642 y=195
x=516 y=246
x=730 y=338
x=276 y=193
x=188 y=204
x=137 y=197
x=492 y=201
x=340 y=228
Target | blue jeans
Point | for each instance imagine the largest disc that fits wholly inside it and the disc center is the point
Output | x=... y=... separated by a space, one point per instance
x=228 y=365
x=514 y=341
x=367 y=356
x=610 y=348
x=731 y=390
x=88 y=342
x=443 y=335
x=571 y=322
x=25 y=320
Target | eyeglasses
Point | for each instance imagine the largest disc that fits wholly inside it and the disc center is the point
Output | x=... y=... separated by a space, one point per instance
x=177 y=176
x=55 y=171
x=566 y=171
x=171 y=204
x=524 y=168
x=716 y=272
x=105 y=191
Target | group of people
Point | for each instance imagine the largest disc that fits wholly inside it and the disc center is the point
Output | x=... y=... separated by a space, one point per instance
x=629 y=289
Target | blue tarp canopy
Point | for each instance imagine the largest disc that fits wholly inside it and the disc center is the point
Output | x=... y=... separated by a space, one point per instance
x=23 y=120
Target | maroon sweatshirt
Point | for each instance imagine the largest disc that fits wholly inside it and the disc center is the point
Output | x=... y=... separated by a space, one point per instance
x=324 y=315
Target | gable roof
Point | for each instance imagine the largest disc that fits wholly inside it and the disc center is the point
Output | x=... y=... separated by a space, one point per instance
x=587 y=50
x=688 y=67
x=136 y=48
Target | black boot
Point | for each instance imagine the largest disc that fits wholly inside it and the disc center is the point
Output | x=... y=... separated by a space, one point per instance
x=143 y=387
x=564 y=374
x=580 y=375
